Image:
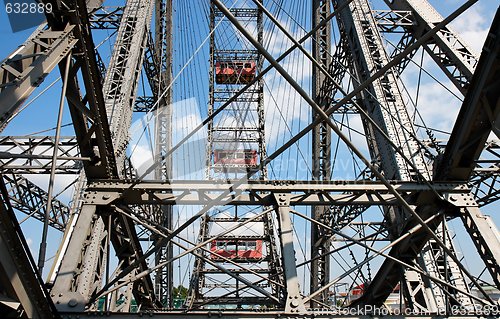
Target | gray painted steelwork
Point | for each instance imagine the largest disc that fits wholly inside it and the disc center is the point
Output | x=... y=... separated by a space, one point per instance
x=417 y=199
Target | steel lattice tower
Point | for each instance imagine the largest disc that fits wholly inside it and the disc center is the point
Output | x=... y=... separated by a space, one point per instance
x=387 y=232
x=235 y=146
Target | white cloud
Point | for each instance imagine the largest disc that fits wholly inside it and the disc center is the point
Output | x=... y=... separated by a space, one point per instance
x=473 y=25
x=61 y=181
x=438 y=108
x=284 y=105
x=142 y=159
x=186 y=160
x=278 y=41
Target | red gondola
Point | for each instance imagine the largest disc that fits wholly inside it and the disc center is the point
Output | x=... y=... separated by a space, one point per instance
x=358 y=290
x=238 y=157
x=234 y=72
x=248 y=250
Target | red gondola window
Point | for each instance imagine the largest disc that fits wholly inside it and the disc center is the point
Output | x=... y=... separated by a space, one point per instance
x=235 y=72
x=250 y=250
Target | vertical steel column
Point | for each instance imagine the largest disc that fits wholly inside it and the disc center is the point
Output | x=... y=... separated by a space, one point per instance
x=321 y=143
x=163 y=139
x=294 y=302
x=260 y=86
x=81 y=256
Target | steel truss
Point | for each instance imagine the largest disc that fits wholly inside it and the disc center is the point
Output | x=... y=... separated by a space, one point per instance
x=322 y=140
x=33 y=155
x=27 y=67
x=384 y=99
x=32 y=200
x=160 y=82
x=98 y=229
x=485 y=176
x=112 y=208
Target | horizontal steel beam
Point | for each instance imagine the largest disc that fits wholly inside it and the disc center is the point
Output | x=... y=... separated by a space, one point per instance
x=320 y=314
x=258 y=193
x=33 y=155
x=278 y=186
x=105 y=198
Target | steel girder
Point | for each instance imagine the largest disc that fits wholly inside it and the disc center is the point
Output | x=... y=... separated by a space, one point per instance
x=97 y=141
x=321 y=148
x=122 y=76
x=259 y=193
x=478 y=117
x=294 y=301
x=446 y=48
x=160 y=81
x=384 y=103
x=109 y=18
x=88 y=111
x=22 y=292
x=26 y=68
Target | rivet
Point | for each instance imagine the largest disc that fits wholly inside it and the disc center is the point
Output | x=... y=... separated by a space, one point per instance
x=73 y=303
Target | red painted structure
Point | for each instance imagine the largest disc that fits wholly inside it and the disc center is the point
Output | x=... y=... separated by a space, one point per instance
x=358 y=290
x=234 y=72
x=250 y=250
x=239 y=157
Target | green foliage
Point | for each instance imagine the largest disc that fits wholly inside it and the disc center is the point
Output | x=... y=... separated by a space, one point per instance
x=179 y=295
x=180 y=292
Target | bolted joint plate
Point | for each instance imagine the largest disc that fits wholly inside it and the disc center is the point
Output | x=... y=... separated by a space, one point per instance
x=295 y=305
x=282 y=199
x=68 y=301
x=98 y=198
x=461 y=200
